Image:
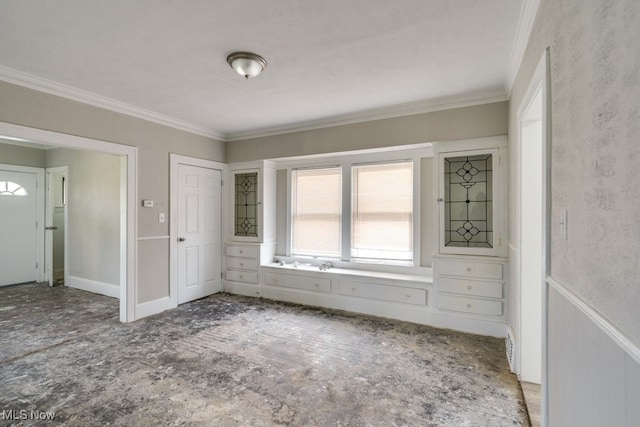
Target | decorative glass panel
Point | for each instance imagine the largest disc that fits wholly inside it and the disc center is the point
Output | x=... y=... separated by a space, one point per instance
x=246 y=204
x=468 y=209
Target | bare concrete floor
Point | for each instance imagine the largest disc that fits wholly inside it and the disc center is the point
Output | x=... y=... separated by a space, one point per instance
x=234 y=361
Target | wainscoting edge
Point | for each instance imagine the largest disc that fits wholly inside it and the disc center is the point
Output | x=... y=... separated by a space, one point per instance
x=632 y=350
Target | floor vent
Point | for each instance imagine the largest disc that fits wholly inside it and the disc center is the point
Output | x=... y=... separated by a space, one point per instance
x=511 y=352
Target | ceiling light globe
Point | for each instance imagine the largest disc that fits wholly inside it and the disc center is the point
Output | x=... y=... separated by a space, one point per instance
x=247 y=64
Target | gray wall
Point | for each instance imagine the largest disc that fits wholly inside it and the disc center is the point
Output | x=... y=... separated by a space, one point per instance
x=35 y=109
x=595 y=154
x=93 y=185
x=21 y=156
x=457 y=123
x=595 y=125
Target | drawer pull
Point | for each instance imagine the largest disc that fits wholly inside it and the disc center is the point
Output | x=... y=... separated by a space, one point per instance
x=243 y=252
x=468 y=268
x=242 y=264
x=468 y=305
x=469 y=287
x=241 y=276
x=317 y=285
x=408 y=296
x=353 y=289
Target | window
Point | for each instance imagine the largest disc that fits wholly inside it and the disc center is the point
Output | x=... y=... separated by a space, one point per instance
x=355 y=212
x=382 y=211
x=8 y=188
x=316 y=212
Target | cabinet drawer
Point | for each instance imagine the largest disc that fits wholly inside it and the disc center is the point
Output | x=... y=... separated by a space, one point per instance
x=243 y=251
x=470 y=269
x=470 y=287
x=316 y=284
x=242 y=276
x=242 y=263
x=470 y=305
x=384 y=292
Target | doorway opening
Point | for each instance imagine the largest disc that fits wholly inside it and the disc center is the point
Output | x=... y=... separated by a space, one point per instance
x=125 y=195
x=56 y=225
x=532 y=229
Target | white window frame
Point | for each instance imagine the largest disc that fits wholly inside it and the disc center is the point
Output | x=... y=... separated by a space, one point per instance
x=346 y=161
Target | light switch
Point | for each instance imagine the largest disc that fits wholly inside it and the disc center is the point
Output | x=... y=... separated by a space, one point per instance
x=161 y=217
x=563 y=225
x=147 y=203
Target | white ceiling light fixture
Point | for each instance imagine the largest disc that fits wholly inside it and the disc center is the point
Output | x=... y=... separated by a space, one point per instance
x=247 y=64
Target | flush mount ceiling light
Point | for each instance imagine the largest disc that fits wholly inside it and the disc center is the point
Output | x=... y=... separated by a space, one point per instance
x=247 y=64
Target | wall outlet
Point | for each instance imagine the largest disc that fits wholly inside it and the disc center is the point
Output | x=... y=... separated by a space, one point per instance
x=161 y=217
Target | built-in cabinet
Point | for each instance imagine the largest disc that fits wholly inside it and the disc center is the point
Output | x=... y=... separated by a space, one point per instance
x=470 y=265
x=466 y=287
x=251 y=241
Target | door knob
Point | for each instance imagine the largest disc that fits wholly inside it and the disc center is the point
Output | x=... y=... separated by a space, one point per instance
x=181 y=239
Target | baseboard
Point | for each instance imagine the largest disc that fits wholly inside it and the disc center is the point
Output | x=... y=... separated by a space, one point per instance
x=150 y=308
x=598 y=319
x=102 y=288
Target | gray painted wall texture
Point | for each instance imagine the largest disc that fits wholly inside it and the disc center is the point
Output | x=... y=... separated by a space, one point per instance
x=21 y=156
x=595 y=154
x=445 y=125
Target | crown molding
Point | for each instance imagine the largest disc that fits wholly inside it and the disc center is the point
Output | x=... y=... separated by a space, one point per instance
x=439 y=104
x=525 y=25
x=30 y=81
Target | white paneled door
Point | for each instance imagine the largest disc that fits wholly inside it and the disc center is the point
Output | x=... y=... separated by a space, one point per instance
x=199 y=232
x=18 y=227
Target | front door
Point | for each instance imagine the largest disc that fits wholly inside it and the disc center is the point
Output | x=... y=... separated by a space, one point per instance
x=18 y=227
x=199 y=232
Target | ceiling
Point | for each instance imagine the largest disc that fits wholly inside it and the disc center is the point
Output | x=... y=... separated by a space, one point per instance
x=329 y=61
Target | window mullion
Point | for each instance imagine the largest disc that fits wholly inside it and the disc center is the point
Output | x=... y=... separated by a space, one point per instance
x=346 y=212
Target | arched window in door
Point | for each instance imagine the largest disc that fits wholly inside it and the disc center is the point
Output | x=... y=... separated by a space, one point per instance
x=8 y=188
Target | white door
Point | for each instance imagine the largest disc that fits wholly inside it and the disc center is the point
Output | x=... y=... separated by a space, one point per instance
x=199 y=232
x=18 y=227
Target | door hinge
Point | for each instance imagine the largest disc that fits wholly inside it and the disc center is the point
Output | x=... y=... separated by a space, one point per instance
x=221 y=275
x=36 y=265
x=222 y=182
x=36 y=225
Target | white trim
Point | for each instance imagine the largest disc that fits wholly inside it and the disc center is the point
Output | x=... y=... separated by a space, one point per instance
x=174 y=161
x=525 y=25
x=156 y=306
x=152 y=238
x=128 y=217
x=40 y=213
x=30 y=81
x=403 y=110
x=618 y=337
x=102 y=288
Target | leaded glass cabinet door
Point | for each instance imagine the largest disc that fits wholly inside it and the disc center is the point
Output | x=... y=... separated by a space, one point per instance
x=246 y=205
x=468 y=202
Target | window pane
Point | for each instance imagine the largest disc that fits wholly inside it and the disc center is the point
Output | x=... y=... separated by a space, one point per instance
x=382 y=211
x=316 y=209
